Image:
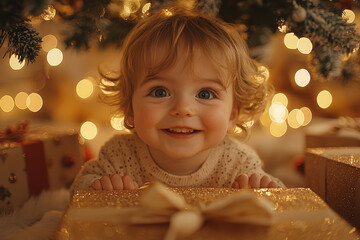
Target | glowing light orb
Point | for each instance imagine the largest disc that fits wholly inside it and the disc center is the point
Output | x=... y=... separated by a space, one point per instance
x=54 y=57
x=85 y=88
x=278 y=112
x=304 y=45
x=280 y=98
x=278 y=129
x=15 y=64
x=348 y=16
x=34 y=102
x=295 y=118
x=324 y=99
x=290 y=40
x=7 y=103
x=307 y=115
x=302 y=77
x=48 y=42
x=88 y=130
x=20 y=100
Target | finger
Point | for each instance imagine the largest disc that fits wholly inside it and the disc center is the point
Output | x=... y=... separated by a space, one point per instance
x=273 y=184
x=254 y=180
x=127 y=180
x=106 y=183
x=235 y=185
x=243 y=181
x=264 y=182
x=117 y=182
x=96 y=185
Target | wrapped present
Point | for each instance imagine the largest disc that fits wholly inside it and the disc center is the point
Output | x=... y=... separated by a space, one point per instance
x=35 y=160
x=334 y=174
x=201 y=213
x=340 y=132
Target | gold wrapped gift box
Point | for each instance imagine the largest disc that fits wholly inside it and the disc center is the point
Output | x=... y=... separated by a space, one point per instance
x=300 y=214
x=334 y=174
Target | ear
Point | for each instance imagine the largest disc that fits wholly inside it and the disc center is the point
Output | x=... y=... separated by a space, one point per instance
x=233 y=118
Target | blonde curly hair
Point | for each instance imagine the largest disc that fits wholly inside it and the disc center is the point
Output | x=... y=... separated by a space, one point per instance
x=175 y=28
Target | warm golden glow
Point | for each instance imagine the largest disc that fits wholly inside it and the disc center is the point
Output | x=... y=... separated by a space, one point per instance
x=85 y=88
x=15 y=64
x=20 y=100
x=307 y=115
x=348 y=16
x=146 y=8
x=167 y=12
x=324 y=99
x=7 y=103
x=34 y=102
x=278 y=112
x=302 y=77
x=88 y=130
x=278 y=129
x=282 y=28
x=295 y=118
x=49 y=13
x=265 y=71
x=304 y=45
x=290 y=40
x=280 y=98
x=54 y=57
x=48 y=42
x=265 y=119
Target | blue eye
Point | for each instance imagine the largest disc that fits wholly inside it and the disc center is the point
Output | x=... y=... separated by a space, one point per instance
x=205 y=94
x=159 y=92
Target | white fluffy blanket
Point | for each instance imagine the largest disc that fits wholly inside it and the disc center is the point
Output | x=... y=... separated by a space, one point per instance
x=37 y=219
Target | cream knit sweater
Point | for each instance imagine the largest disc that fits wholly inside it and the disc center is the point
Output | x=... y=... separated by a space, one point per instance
x=127 y=154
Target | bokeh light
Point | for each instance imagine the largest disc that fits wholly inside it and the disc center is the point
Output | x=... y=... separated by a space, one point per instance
x=324 y=99
x=278 y=112
x=302 y=77
x=7 y=103
x=348 y=16
x=290 y=40
x=15 y=64
x=146 y=8
x=34 y=102
x=85 y=88
x=48 y=42
x=307 y=115
x=304 y=45
x=88 y=130
x=280 y=98
x=295 y=118
x=278 y=129
x=20 y=100
x=54 y=57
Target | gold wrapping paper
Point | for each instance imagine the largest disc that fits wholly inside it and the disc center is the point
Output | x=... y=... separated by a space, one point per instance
x=334 y=174
x=301 y=215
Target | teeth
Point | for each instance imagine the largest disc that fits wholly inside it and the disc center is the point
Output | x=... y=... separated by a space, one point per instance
x=181 y=130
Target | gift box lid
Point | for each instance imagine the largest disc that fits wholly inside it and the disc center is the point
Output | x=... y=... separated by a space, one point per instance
x=346 y=155
x=299 y=214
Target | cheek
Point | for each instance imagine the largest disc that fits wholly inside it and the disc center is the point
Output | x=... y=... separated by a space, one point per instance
x=145 y=116
x=216 y=118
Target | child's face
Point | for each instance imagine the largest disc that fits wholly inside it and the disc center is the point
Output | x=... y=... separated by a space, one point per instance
x=183 y=112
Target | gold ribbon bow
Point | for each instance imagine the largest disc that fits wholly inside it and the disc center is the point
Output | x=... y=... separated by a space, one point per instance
x=161 y=205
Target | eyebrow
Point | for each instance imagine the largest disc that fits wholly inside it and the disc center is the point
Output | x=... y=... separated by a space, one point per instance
x=159 y=78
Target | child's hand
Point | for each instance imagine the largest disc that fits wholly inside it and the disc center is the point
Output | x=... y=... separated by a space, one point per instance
x=114 y=182
x=254 y=181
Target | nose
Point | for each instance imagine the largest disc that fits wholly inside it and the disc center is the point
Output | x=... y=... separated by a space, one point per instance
x=182 y=107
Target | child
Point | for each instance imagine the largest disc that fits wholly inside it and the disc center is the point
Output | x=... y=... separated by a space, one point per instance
x=185 y=82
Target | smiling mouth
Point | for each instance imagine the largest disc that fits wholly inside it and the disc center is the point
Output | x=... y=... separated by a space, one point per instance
x=181 y=130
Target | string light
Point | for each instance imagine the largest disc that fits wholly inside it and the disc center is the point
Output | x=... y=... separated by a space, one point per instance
x=15 y=64
x=348 y=16
x=48 y=42
x=88 y=130
x=302 y=77
x=20 y=100
x=7 y=103
x=304 y=45
x=85 y=88
x=34 y=102
x=324 y=99
x=290 y=40
x=54 y=57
